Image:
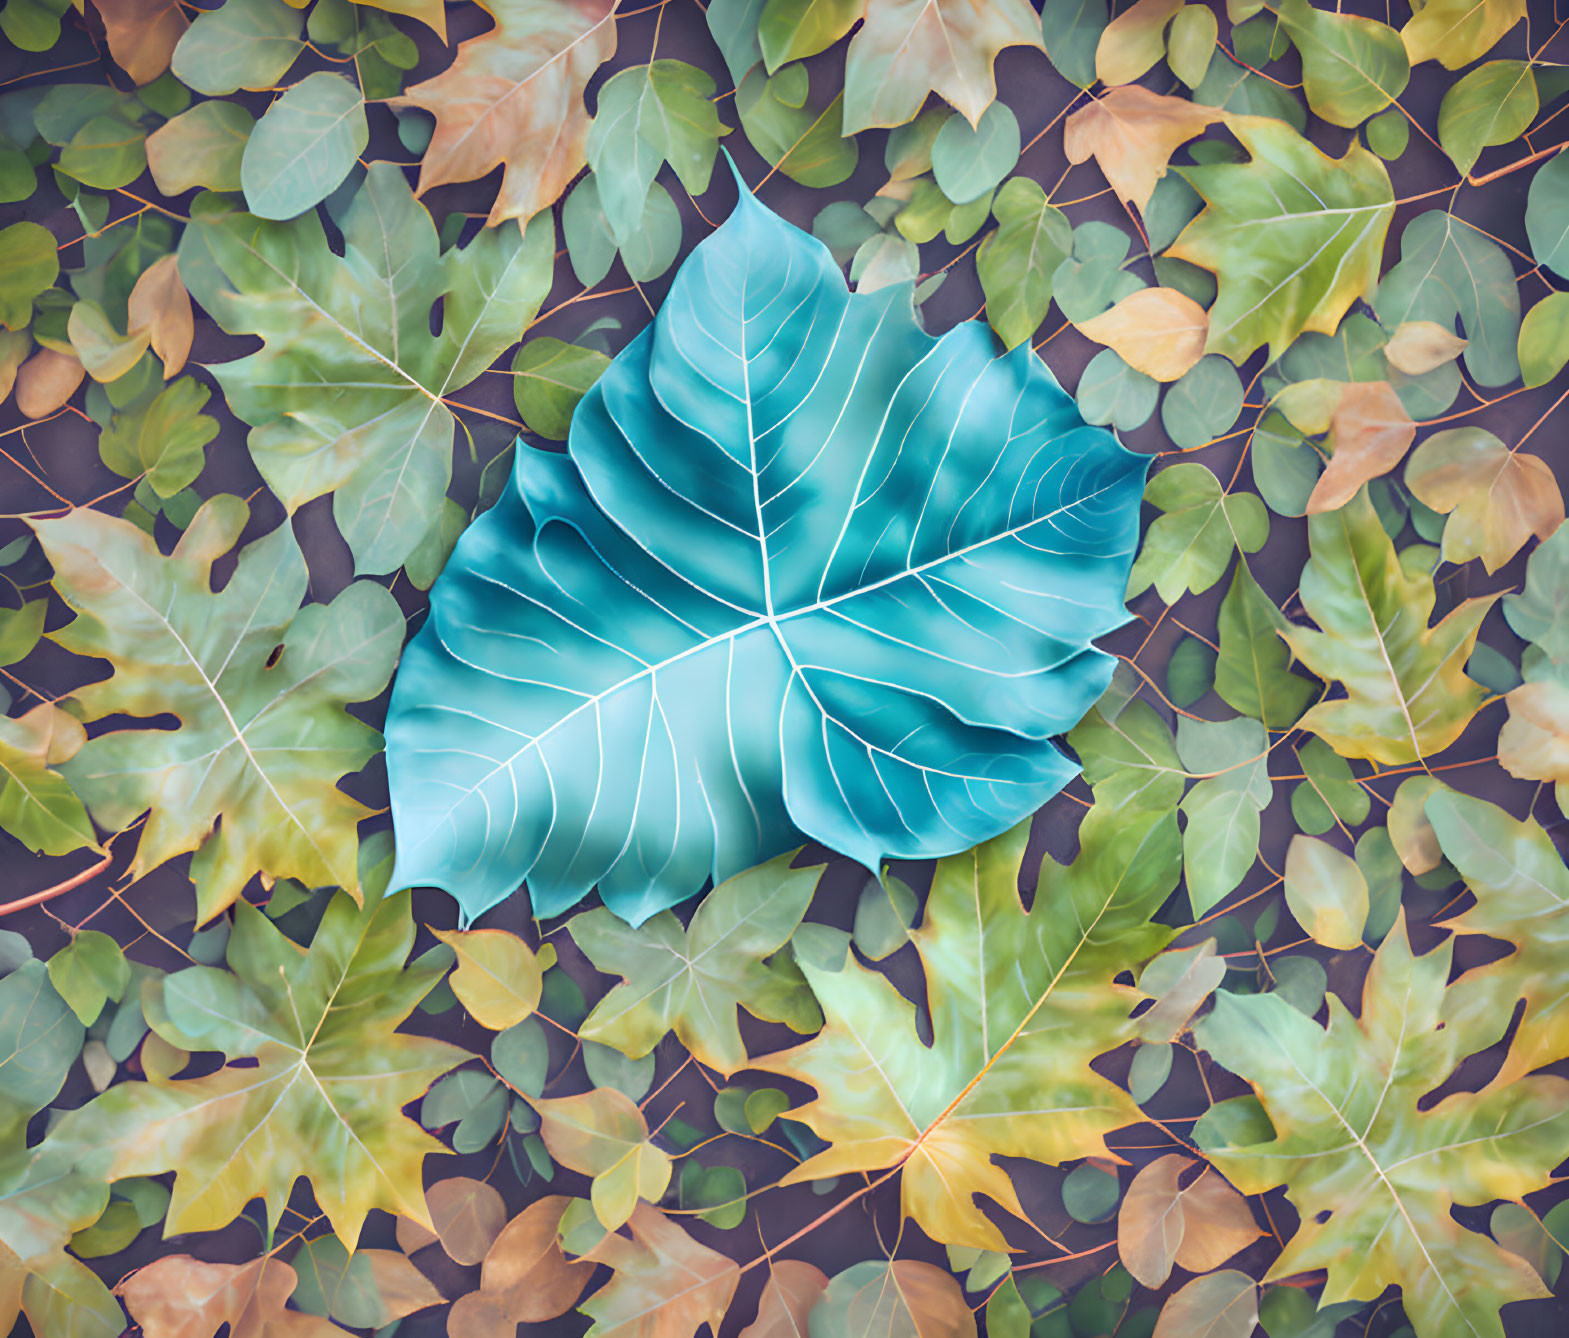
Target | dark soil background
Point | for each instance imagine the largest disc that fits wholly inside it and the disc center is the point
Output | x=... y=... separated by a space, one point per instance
x=161 y=905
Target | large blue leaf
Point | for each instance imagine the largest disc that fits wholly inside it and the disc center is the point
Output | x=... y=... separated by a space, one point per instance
x=804 y=571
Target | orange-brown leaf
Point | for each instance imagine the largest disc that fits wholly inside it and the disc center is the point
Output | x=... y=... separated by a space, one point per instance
x=525 y=1271
x=468 y=1215
x=160 y=305
x=46 y=381
x=1132 y=134
x=1217 y=1223
x=182 y=1297
x=793 y=1288
x=1157 y=331
x=666 y=1284
x=142 y=34
x=1369 y=434
x=514 y=96
x=1150 y=1222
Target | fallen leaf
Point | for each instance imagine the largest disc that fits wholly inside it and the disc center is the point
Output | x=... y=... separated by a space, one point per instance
x=793 y=1288
x=903 y=1297
x=1369 y=434
x=498 y=978
x=1420 y=346
x=160 y=305
x=1222 y=1305
x=1217 y=1223
x=46 y=381
x=1496 y=498
x=179 y=1296
x=468 y=1215
x=1132 y=133
x=142 y=34
x=525 y=1272
x=1150 y=1221
x=1534 y=742
x=1157 y=331
x=664 y=1283
x=1133 y=41
x=514 y=97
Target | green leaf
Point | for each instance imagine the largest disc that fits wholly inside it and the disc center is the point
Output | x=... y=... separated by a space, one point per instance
x=652 y=249
x=1329 y=792
x=733 y=25
x=1407 y=693
x=795 y=29
x=33 y=25
x=498 y=978
x=1326 y=892
x=40 y=1038
x=1239 y=90
x=969 y=162
x=1203 y=403
x=691 y=980
x=241 y=44
x=1093 y=279
x=1448 y=269
x=1072 y=30
x=1294 y=237
x=1388 y=134
x=1189 y=547
x=807 y=145
x=1017 y=261
x=1190 y=672
x=1109 y=391
x=104 y=351
x=88 y=972
x=1540 y=612
x=107 y=152
x=1253 y=673
x=1090 y=1193
x=163 y=438
x=304 y=146
x=20 y=630
x=1013 y=1079
x=1493 y=104
x=1352 y=68
x=1547 y=216
x=550 y=377
x=1544 y=340
x=345 y=395
x=37 y=804
x=1130 y=759
x=649 y=115
x=883 y=917
x=896 y=1296
x=1190 y=43
x=1372 y=1174
x=29 y=263
x=260 y=745
x=322 y=1096
x=1220 y=840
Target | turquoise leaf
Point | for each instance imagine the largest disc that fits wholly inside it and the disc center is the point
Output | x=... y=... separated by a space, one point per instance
x=803 y=572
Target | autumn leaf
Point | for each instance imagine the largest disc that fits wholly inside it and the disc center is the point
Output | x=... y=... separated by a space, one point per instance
x=1133 y=41
x=691 y=980
x=1132 y=134
x=602 y=1133
x=1293 y=236
x=525 y=1273
x=321 y=1095
x=1327 y=892
x=1157 y=331
x=46 y=381
x=513 y=97
x=1534 y=742
x=1372 y=1173
x=37 y=804
x=1496 y=498
x=467 y=1216
x=259 y=686
x=179 y=1296
x=1020 y=1003
x=498 y=978
x=142 y=34
x=1418 y=347
x=907 y=49
x=895 y=1296
x=160 y=305
x=1222 y=1305
x=663 y=1282
x=1456 y=32
x=1161 y=1224
x=793 y=1288
x=1407 y=691
x=1369 y=434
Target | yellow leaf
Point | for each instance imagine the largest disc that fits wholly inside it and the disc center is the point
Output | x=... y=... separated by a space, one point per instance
x=498 y=978
x=514 y=97
x=1534 y=742
x=1456 y=32
x=1157 y=331
x=1133 y=41
x=1420 y=346
x=1496 y=498
x=160 y=306
x=642 y=1173
x=1326 y=892
x=1132 y=134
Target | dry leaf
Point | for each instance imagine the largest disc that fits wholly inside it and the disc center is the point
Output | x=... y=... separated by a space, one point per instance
x=1217 y=1223
x=793 y=1288
x=1157 y=331
x=1222 y=1305
x=1496 y=498
x=1420 y=346
x=1132 y=134
x=514 y=96
x=1534 y=742
x=1369 y=433
x=479 y=1315
x=1133 y=41
x=1150 y=1222
x=1177 y=997
x=400 y=1287
x=142 y=34
x=525 y=1272
x=666 y=1284
x=182 y=1297
x=46 y=381
x=160 y=305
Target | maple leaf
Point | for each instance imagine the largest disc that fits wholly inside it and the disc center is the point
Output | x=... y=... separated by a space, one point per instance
x=514 y=96
x=664 y=1283
x=1522 y=897
x=346 y=394
x=1293 y=236
x=1372 y=1173
x=1021 y=1002
x=1407 y=691
x=691 y=980
x=909 y=48
x=322 y=1093
x=1132 y=134
x=260 y=743
x=179 y=1296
